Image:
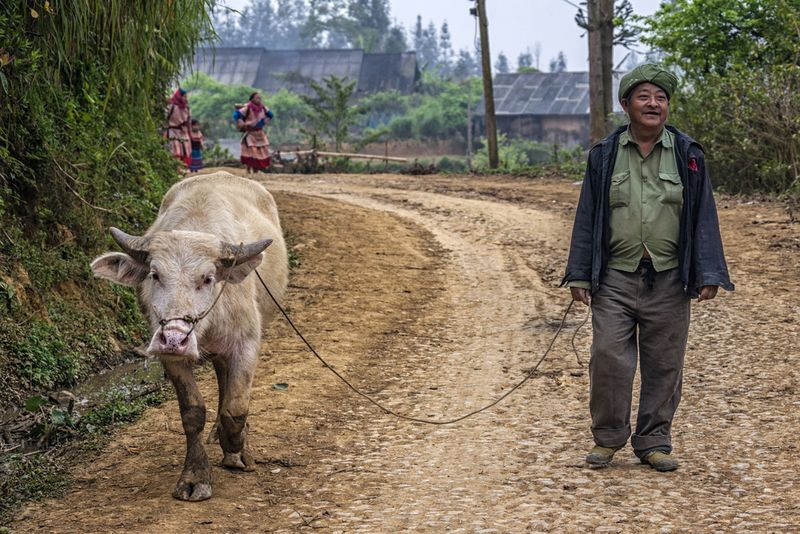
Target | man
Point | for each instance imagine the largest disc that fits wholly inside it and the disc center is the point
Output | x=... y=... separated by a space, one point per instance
x=646 y=239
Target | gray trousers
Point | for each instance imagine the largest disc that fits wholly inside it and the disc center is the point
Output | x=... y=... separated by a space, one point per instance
x=629 y=320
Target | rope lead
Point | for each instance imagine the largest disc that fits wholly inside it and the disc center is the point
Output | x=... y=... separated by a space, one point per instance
x=416 y=419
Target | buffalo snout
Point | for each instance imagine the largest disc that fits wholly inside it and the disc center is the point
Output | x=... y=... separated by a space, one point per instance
x=175 y=338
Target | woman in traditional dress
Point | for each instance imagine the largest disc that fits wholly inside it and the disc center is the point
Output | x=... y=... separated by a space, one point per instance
x=196 y=135
x=178 y=126
x=251 y=119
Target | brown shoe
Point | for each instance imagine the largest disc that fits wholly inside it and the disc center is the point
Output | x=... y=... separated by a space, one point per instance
x=601 y=456
x=661 y=461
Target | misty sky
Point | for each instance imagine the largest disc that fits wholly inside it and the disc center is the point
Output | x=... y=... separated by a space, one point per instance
x=514 y=25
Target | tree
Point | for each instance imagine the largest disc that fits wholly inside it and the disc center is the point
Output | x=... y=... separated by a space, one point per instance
x=278 y=24
x=740 y=89
x=323 y=25
x=419 y=34
x=524 y=60
x=734 y=33
x=429 y=52
x=599 y=25
x=367 y=24
x=396 y=40
x=558 y=63
x=466 y=66
x=606 y=25
x=332 y=114
x=445 y=49
x=502 y=64
x=287 y=27
x=225 y=24
x=282 y=24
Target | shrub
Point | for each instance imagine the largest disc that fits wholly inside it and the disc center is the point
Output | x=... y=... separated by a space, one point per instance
x=402 y=127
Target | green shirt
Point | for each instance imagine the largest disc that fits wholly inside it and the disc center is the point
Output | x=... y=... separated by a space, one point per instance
x=646 y=198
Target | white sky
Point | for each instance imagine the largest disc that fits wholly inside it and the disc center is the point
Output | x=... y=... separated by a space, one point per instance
x=514 y=25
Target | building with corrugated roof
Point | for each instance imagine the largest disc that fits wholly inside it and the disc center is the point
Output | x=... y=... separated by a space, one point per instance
x=548 y=107
x=273 y=70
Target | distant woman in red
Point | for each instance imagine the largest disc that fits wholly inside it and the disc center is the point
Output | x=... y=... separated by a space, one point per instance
x=251 y=119
x=179 y=126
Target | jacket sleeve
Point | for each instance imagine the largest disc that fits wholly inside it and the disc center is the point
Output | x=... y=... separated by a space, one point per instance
x=708 y=257
x=579 y=264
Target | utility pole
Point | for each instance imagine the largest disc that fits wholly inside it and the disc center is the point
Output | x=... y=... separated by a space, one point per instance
x=488 y=89
x=469 y=124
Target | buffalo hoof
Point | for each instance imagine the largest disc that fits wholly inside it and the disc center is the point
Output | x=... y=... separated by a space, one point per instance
x=192 y=491
x=239 y=460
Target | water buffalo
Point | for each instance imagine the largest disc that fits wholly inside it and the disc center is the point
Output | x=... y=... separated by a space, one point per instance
x=211 y=232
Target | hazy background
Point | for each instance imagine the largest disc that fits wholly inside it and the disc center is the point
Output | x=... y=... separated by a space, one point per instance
x=514 y=26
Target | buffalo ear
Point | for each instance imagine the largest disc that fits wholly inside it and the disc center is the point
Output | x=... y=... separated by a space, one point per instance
x=120 y=268
x=239 y=272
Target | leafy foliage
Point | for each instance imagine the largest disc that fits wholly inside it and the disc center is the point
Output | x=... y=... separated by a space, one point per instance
x=521 y=155
x=750 y=127
x=82 y=88
x=291 y=112
x=711 y=37
x=332 y=115
x=287 y=24
x=213 y=104
x=438 y=111
x=740 y=60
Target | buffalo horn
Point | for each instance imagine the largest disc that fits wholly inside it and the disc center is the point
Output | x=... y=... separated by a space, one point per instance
x=228 y=252
x=134 y=246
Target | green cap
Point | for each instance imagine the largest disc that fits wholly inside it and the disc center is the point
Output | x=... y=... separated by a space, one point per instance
x=648 y=72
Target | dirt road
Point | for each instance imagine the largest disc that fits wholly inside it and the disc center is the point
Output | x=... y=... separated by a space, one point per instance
x=436 y=294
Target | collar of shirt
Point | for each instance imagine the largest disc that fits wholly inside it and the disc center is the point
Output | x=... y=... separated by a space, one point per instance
x=665 y=139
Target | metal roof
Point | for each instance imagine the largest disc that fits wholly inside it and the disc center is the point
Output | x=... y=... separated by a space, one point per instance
x=293 y=69
x=232 y=66
x=545 y=93
x=272 y=70
x=385 y=72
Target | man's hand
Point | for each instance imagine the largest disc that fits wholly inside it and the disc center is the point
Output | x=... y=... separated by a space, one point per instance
x=706 y=293
x=580 y=294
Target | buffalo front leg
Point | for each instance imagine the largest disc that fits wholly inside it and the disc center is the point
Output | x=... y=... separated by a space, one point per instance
x=194 y=483
x=221 y=368
x=233 y=415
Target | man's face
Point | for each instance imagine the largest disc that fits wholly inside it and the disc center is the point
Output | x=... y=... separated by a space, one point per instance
x=647 y=105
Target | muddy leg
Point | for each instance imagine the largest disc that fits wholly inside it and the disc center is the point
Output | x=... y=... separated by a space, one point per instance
x=233 y=416
x=221 y=368
x=194 y=483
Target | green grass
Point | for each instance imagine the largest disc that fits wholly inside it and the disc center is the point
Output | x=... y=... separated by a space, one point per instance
x=27 y=478
x=70 y=439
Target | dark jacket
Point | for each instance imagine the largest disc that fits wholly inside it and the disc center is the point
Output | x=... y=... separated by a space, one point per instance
x=701 y=260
